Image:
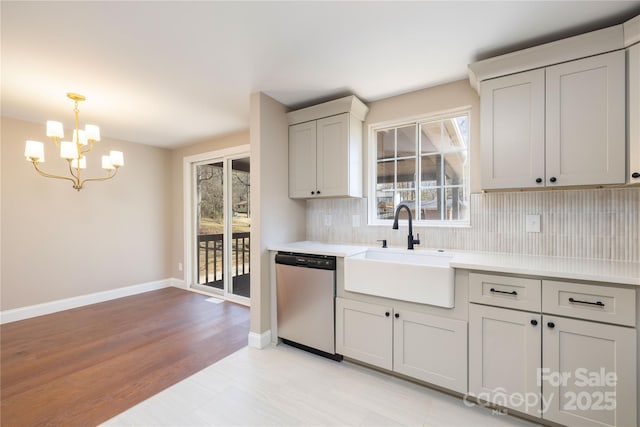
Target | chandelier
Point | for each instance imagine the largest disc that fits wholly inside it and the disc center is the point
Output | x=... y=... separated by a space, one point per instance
x=74 y=152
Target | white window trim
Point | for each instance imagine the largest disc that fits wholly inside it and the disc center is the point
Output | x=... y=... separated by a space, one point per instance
x=372 y=167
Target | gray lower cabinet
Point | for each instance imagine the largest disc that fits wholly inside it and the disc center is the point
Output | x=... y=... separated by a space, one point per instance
x=576 y=371
x=422 y=346
x=364 y=332
x=589 y=373
x=504 y=357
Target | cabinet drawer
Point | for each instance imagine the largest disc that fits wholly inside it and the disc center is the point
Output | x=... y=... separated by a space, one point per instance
x=611 y=304
x=505 y=291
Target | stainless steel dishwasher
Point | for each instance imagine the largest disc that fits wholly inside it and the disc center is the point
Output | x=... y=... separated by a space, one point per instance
x=305 y=287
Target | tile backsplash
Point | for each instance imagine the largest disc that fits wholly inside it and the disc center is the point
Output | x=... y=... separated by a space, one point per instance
x=591 y=223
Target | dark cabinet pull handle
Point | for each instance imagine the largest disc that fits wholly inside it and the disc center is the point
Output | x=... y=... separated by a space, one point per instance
x=551 y=325
x=313 y=192
x=397 y=315
x=386 y=314
x=575 y=301
x=534 y=322
x=538 y=180
x=553 y=179
x=318 y=192
x=635 y=175
x=495 y=291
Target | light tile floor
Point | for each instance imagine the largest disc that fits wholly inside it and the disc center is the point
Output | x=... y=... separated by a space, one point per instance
x=282 y=385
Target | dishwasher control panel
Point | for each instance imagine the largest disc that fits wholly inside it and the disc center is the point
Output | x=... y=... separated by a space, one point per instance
x=322 y=262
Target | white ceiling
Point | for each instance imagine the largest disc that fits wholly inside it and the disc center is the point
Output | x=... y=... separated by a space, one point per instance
x=174 y=73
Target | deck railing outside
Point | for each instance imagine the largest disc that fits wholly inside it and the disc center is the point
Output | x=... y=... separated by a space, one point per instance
x=210 y=256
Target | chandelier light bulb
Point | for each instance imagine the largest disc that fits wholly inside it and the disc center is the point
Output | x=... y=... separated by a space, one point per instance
x=68 y=150
x=106 y=163
x=55 y=129
x=83 y=163
x=117 y=158
x=80 y=137
x=92 y=132
x=34 y=151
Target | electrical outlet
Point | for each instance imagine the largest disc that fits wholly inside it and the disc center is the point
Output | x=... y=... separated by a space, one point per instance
x=532 y=223
x=327 y=220
x=179 y=266
x=355 y=220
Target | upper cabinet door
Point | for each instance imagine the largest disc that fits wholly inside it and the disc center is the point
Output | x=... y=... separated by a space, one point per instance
x=333 y=155
x=302 y=159
x=633 y=114
x=512 y=136
x=585 y=123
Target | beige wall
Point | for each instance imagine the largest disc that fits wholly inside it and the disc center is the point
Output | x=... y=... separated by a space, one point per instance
x=58 y=243
x=277 y=218
x=430 y=101
x=176 y=252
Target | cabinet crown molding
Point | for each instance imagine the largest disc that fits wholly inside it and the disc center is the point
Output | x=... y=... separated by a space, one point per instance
x=569 y=49
x=348 y=104
x=631 y=30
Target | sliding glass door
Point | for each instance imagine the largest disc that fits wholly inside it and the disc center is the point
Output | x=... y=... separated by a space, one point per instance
x=221 y=215
x=240 y=227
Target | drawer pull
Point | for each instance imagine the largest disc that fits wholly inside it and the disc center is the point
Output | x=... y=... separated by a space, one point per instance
x=495 y=291
x=598 y=303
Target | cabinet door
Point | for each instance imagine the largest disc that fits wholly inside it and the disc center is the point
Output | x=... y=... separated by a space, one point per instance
x=431 y=348
x=302 y=160
x=504 y=357
x=364 y=332
x=589 y=376
x=633 y=114
x=512 y=131
x=333 y=155
x=585 y=130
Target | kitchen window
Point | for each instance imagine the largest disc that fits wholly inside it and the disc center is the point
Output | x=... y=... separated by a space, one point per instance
x=424 y=164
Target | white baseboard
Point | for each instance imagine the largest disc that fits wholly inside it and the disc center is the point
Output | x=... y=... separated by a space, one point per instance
x=259 y=340
x=178 y=283
x=30 y=311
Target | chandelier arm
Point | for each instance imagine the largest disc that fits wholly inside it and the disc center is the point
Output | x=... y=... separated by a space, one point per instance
x=71 y=171
x=87 y=148
x=48 y=175
x=109 y=176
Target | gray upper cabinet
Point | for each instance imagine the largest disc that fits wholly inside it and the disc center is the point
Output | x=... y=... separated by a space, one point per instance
x=585 y=121
x=633 y=112
x=302 y=159
x=562 y=125
x=512 y=131
x=325 y=149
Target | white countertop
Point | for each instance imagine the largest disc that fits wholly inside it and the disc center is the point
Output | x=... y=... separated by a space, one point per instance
x=621 y=272
x=320 y=248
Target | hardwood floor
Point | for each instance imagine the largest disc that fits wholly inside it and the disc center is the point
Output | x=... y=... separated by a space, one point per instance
x=83 y=366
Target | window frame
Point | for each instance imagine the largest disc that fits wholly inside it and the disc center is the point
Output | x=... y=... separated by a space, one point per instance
x=372 y=165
